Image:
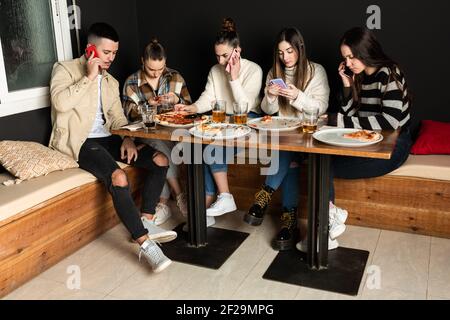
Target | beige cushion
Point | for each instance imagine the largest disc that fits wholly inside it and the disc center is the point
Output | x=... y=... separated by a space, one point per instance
x=18 y=198
x=28 y=160
x=425 y=166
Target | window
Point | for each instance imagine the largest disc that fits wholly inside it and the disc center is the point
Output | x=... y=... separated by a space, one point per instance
x=34 y=34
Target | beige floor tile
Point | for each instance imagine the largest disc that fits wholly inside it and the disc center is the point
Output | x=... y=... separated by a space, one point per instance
x=313 y=294
x=63 y=293
x=35 y=289
x=360 y=238
x=436 y=298
x=82 y=258
x=439 y=278
x=391 y=294
x=256 y=288
x=223 y=283
x=403 y=260
x=107 y=273
x=146 y=285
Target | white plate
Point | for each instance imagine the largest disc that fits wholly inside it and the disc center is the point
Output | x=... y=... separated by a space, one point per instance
x=228 y=131
x=335 y=137
x=277 y=124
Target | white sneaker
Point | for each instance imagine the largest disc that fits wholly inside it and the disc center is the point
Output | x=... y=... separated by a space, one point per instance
x=156 y=233
x=340 y=214
x=335 y=227
x=224 y=204
x=210 y=221
x=182 y=204
x=162 y=214
x=303 y=245
x=154 y=256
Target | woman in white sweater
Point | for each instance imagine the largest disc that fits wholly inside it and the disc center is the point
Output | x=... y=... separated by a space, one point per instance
x=307 y=88
x=234 y=80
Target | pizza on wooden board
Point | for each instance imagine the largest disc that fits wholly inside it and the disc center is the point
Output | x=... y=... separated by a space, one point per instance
x=363 y=136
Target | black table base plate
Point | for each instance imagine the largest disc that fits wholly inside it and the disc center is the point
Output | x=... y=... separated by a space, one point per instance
x=221 y=245
x=343 y=275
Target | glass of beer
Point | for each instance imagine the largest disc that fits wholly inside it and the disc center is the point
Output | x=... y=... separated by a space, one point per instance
x=310 y=119
x=218 y=111
x=148 y=116
x=240 y=112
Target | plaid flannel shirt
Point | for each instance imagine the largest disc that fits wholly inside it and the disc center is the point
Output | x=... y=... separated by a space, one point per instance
x=137 y=90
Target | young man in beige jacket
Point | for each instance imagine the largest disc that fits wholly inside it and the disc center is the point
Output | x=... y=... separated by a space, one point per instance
x=86 y=105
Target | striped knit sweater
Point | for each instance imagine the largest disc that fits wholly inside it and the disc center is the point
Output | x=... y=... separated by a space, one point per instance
x=382 y=105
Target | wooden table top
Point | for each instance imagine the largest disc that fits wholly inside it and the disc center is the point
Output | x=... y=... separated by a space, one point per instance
x=295 y=140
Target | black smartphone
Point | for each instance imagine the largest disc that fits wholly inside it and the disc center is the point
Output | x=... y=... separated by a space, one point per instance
x=348 y=72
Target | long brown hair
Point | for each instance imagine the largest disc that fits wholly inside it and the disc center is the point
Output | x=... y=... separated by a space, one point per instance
x=365 y=47
x=304 y=69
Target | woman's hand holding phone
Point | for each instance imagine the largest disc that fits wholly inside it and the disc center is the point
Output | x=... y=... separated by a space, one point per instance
x=234 y=64
x=347 y=79
x=273 y=90
x=290 y=93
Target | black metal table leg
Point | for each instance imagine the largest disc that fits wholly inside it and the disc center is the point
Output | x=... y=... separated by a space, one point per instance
x=339 y=270
x=201 y=246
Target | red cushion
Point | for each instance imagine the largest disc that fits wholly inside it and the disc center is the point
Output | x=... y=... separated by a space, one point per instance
x=434 y=138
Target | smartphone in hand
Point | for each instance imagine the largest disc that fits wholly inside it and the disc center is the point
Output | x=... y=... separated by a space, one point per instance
x=279 y=82
x=234 y=55
x=90 y=49
x=348 y=72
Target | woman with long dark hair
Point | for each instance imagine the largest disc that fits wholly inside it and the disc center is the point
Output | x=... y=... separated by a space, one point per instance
x=307 y=88
x=375 y=97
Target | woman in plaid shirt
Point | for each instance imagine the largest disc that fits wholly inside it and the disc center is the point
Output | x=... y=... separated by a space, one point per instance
x=149 y=85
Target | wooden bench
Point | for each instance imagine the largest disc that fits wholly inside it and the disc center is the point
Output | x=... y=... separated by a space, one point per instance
x=37 y=238
x=392 y=202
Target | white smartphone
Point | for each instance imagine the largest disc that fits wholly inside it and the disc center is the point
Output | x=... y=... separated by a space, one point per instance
x=279 y=82
x=233 y=56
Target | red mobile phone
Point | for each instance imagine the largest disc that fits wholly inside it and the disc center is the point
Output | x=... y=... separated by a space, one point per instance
x=90 y=49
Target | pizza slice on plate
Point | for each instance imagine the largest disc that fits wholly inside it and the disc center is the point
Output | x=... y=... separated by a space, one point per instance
x=363 y=136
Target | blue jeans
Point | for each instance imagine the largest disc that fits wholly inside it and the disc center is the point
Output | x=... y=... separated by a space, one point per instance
x=220 y=163
x=360 y=168
x=288 y=177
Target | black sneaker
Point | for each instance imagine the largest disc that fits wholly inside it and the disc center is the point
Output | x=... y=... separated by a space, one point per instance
x=255 y=215
x=288 y=235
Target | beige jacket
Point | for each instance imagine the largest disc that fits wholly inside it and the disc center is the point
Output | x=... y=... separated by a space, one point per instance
x=74 y=100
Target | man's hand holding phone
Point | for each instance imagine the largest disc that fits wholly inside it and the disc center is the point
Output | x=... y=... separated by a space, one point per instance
x=346 y=74
x=94 y=63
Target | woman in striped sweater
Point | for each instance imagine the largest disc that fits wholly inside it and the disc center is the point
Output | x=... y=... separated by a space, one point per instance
x=375 y=98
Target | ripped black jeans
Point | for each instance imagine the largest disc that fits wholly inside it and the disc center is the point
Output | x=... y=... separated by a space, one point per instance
x=99 y=156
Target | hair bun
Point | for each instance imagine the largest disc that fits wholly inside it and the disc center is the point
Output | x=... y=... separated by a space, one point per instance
x=228 y=25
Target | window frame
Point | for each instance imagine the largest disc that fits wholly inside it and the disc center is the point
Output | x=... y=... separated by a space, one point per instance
x=37 y=98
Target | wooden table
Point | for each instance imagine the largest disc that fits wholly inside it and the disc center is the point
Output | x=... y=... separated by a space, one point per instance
x=339 y=270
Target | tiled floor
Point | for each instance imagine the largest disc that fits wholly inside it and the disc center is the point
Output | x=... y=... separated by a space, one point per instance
x=410 y=267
